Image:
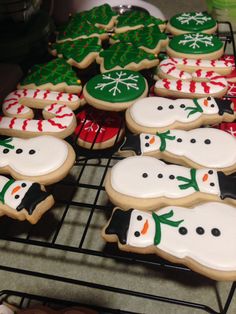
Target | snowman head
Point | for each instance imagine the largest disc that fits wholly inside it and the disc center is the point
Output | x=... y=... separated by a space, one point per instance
x=16 y=192
x=207 y=180
x=212 y=105
x=149 y=142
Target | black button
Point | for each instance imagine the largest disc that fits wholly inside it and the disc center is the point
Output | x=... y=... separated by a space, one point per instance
x=212 y=184
x=215 y=232
x=193 y=140
x=200 y=230
x=183 y=230
x=179 y=140
x=160 y=175
x=146 y=137
x=139 y=217
x=212 y=105
x=210 y=171
x=171 y=107
x=208 y=98
x=147 y=144
x=32 y=151
x=137 y=234
x=182 y=106
x=19 y=151
x=159 y=107
x=207 y=141
x=171 y=177
x=145 y=175
x=23 y=185
x=5 y=151
x=17 y=196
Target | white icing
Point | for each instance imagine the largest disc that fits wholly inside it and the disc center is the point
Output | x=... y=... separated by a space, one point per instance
x=145 y=111
x=217 y=252
x=197 y=17
x=207 y=155
x=127 y=178
x=50 y=154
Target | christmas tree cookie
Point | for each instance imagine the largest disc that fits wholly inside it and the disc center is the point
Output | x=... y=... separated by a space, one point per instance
x=79 y=53
x=56 y=75
x=195 y=46
x=189 y=22
x=150 y=39
x=147 y=183
x=125 y=56
x=23 y=200
x=135 y=19
x=115 y=90
x=202 y=238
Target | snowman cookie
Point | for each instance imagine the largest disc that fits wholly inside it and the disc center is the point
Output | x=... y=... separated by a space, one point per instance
x=159 y=114
x=198 y=148
x=202 y=238
x=147 y=183
x=23 y=200
x=43 y=159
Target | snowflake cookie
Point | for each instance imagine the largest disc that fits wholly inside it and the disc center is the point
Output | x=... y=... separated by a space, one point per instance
x=115 y=90
x=196 y=46
x=192 y=22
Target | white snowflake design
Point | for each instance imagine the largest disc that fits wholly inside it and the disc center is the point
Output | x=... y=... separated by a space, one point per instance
x=231 y=131
x=91 y=126
x=193 y=40
x=232 y=89
x=120 y=78
x=198 y=18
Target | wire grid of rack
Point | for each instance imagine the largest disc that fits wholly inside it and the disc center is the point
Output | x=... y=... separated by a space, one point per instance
x=65 y=194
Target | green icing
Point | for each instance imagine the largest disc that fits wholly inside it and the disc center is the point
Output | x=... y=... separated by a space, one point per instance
x=78 y=27
x=116 y=86
x=195 y=43
x=55 y=72
x=136 y=18
x=101 y=14
x=77 y=50
x=121 y=54
x=163 y=138
x=147 y=36
x=189 y=182
x=4 y=190
x=193 y=21
x=193 y=110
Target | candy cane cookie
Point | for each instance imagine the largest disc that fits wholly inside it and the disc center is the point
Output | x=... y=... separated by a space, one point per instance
x=18 y=119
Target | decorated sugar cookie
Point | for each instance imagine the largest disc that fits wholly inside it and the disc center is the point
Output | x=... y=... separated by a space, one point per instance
x=195 y=46
x=56 y=75
x=79 y=53
x=115 y=90
x=43 y=159
x=23 y=200
x=150 y=39
x=196 y=148
x=125 y=56
x=98 y=129
x=189 y=22
x=144 y=182
x=202 y=238
x=158 y=114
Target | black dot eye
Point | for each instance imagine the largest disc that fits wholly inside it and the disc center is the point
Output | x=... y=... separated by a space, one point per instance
x=171 y=107
x=137 y=234
x=212 y=184
x=139 y=217
x=145 y=175
x=159 y=108
x=210 y=171
x=182 y=106
x=183 y=230
x=19 y=151
x=215 y=232
x=5 y=151
x=207 y=141
x=171 y=177
x=160 y=175
x=193 y=140
x=146 y=137
x=32 y=151
x=147 y=144
x=17 y=196
x=23 y=185
x=208 y=98
x=212 y=105
x=179 y=140
x=200 y=230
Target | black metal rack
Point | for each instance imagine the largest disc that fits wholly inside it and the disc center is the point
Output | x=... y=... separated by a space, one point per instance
x=47 y=233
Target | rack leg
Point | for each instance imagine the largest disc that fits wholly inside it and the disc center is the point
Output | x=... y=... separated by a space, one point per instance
x=229 y=299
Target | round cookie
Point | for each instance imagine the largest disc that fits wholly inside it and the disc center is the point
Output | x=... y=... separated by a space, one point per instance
x=98 y=129
x=189 y=22
x=115 y=90
x=195 y=46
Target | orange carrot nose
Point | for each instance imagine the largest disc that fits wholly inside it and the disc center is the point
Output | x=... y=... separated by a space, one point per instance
x=152 y=140
x=16 y=189
x=205 y=177
x=205 y=103
x=145 y=227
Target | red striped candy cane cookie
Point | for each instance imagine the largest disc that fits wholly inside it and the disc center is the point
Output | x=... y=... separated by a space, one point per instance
x=202 y=84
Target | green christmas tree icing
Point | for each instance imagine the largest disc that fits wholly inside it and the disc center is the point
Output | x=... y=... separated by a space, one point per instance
x=136 y=18
x=147 y=36
x=55 y=72
x=101 y=14
x=79 y=49
x=121 y=54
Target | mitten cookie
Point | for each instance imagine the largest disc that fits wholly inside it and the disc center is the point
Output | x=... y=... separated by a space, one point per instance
x=196 y=148
x=202 y=238
x=56 y=75
x=195 y=46
x=23 y=200
x=43 y=159
x=147 y=183
x=189 y=22
x=115 y=90
x=158 y=114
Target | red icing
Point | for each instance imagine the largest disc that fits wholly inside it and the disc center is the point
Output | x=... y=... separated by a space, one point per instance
x=40 y=125
x=192 y=87
x=12 y=123
x=185 y=61
x=171 y=69
x=206 y=87
x=166 y=83
x=11 y=105
x=20 y=109
x=25 y=124
x=59 y=95
x=181 y=73
x=58 y=125
x=179 y=85
x=218 y=83
x=210 y=73
x=198 y=61
x=25 y=92
x=35 y=93
x=91 y=121
x=45 y=94
x=198 y=73
x=213 y=63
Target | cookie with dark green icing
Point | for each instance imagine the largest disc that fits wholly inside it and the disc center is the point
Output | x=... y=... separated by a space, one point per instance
x=115 y=90
x=101 y=16
x=125 y=56
x=137 y=19
x=150 y=39
x=79 y=27
x=79 y=53
x=191 y=22
x=56 y=75
x=196 y=46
